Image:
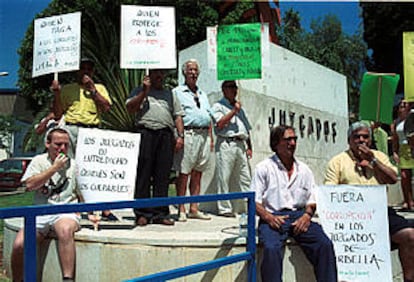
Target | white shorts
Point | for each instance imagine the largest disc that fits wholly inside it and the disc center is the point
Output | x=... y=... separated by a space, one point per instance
x=45 y=223
x=195 y=154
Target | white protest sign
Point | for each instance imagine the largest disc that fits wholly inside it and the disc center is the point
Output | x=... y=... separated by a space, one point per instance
x=148 y=37
x=212 y=46
x=56 y=46
x=106 y=164
x=355 y=218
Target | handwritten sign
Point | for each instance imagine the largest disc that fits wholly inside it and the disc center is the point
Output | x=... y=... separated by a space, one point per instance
x=239 y=52
x=106 y=164
x=56 y=46
x=148 y=37
x=408 y=60
x=355 y=219
x=212 y=45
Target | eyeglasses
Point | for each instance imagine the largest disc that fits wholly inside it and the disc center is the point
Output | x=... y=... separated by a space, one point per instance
x=197 y=101
x=231 y=86
x=358 y=136
x=294 y=138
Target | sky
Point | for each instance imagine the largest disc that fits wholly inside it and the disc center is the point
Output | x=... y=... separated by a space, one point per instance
x=16 y=16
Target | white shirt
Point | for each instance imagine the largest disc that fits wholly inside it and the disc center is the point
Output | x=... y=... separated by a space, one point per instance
x=276 y=191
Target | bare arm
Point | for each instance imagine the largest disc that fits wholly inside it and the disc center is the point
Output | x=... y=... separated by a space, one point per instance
x=36 y=182
x=179 y=144
x=101 y=103
x=384 y=174
x=134 y=104
x=224 y=121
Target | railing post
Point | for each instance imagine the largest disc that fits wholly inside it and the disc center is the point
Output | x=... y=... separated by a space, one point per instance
x=251 y=237
x=30 y=243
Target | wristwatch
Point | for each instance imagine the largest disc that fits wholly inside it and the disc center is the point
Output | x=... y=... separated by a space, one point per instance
x=93 y=93
x=373 y=162
x=181 y=135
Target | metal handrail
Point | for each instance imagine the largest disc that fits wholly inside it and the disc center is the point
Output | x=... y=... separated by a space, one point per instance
x=30 y=212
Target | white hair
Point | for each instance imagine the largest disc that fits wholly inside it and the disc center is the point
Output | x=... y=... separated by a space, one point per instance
x=184 y=67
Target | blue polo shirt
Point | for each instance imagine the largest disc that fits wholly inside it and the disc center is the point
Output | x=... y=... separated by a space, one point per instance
x=194 y=116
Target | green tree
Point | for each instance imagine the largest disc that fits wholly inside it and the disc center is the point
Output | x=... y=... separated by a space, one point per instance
x=384 y=24
x=327 y=45
x=100 y=41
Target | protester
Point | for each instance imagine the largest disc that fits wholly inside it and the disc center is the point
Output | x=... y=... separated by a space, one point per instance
x=158 y=112
x=82 y=103
x=52 y=176
x=360 y=165
x=402 y=154
x=285 y=203
x=193 y=159
x=233 y=146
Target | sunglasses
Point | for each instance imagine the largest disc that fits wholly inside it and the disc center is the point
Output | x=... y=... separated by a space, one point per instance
x=197 y=101
x=231 y=86
x=358 y=136
x=294 y=138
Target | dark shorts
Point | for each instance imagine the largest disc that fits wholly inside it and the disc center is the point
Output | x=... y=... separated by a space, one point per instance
x=396 y=223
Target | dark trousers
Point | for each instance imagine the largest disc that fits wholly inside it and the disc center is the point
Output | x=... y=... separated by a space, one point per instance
x=154 y=166
x=314 y=243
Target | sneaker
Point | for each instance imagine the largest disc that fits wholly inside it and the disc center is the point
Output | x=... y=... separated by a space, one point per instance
x=182 y=217
x=198 y=215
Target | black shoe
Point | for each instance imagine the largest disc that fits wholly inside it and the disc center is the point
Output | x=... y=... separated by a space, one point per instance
x=227 y=214
x=109 y=217
x=141 y=221
x=163 y=221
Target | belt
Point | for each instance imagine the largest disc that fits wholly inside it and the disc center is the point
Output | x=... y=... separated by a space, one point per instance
x=195 y=127
x=82 y=124
x=232 y=139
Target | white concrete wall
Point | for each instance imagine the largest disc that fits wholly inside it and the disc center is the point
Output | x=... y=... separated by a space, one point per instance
x=312 y=98
x=291 y=84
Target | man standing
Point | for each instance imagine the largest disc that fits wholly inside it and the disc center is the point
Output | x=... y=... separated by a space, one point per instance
x=193 y=159
x=82 y=103
x=158 y=112
x=360 y=165
x=232 y=130
x=285 y=203
x=52 y=176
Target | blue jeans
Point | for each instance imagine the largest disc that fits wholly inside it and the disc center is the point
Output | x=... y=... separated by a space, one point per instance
x=317 y=247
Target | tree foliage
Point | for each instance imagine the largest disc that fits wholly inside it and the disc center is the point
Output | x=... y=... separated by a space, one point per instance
x=384 y=25
x=327 y=45
x=100 y=41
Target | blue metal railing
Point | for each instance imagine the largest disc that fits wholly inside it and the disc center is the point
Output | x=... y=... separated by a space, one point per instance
x=29 y=213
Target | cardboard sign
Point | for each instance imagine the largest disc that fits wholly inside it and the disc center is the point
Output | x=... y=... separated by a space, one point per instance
x=408 y=60
x=212 y=45
x=106 y=164
x=377 y=96
x=239 y=52
x=56 y=46
x=355 y=219
x=148 y=37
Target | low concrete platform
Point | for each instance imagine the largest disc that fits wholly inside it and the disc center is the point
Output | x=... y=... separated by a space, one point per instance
x=120 y=251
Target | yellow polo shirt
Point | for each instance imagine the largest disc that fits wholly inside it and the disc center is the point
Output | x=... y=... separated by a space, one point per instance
x=342 y=169
x=78 y=105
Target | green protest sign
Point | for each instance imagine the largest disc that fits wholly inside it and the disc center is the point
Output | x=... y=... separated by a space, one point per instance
x=239 y=52
x=377 y=96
